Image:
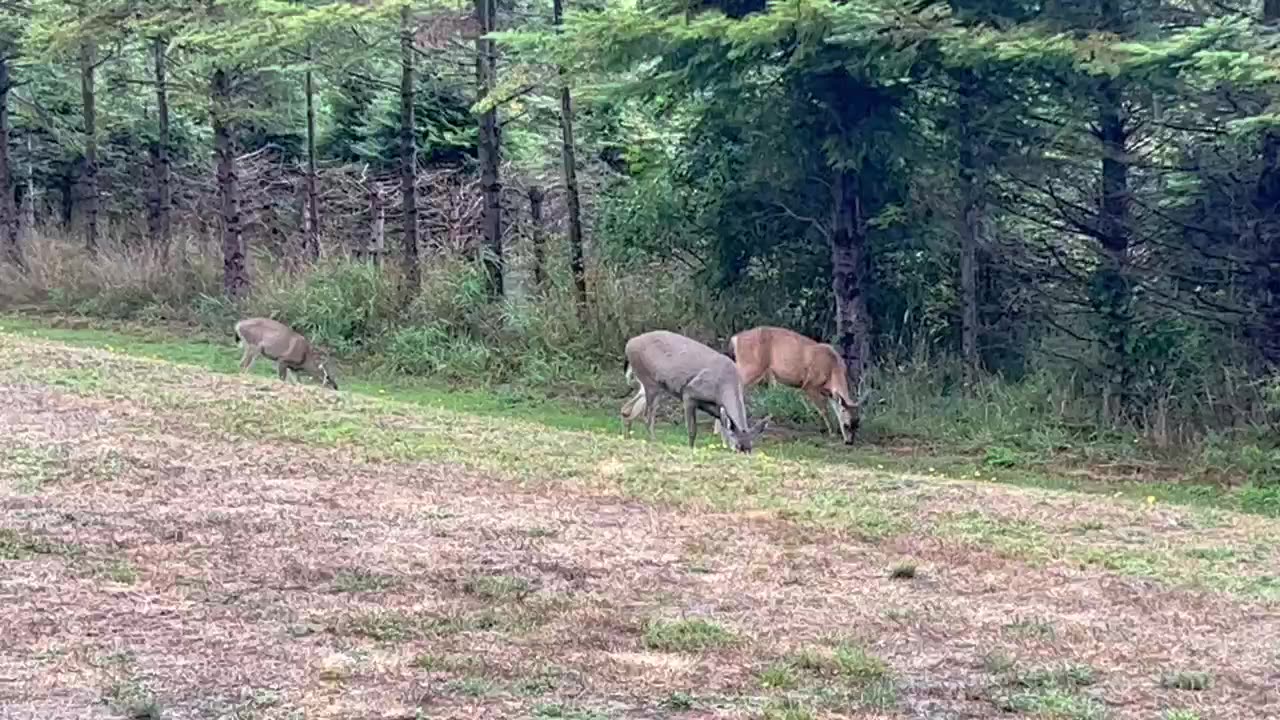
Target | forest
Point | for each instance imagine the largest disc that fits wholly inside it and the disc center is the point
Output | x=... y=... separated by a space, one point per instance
x=1038 y=227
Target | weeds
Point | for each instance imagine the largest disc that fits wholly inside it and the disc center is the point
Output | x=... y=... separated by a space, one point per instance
x=357 y=580
x=497 y=587
x=685 y=636
x=455 y=332
x=1187 y=680
x=903 y=571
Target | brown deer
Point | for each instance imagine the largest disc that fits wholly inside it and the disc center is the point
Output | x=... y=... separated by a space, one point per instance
x=783 y=356
x=666 y=363
x=277 y=341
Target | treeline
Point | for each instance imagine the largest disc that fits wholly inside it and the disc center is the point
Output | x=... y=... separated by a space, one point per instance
x=1079 y=190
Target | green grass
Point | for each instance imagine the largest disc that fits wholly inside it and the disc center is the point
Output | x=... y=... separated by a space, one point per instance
x=497 y=587
x=1053 y=703
x=685 y=636
x=395 y=626
x=598 y=414
x=29 y=469
x=357 y=580
x=779 y=676
x=796 y=481
x=15 y=545
x=1187 y=680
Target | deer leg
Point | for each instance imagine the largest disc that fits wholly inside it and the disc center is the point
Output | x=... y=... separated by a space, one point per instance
x=631 y=410
x=691 y=418
x=283 y=370
x=650 y=409
x=819 y=404
x=251 y=353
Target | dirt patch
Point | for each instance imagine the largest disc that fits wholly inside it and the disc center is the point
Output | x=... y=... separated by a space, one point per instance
x=266 y=579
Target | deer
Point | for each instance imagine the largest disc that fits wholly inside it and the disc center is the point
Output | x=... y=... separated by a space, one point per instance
x=783 y=356
x=279 y=342
x=666 y=363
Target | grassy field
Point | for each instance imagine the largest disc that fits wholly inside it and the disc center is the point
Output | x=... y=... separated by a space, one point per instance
x=176 y=542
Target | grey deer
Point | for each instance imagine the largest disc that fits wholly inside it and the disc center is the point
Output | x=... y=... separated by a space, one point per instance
x=667 y=363
x=279 y=342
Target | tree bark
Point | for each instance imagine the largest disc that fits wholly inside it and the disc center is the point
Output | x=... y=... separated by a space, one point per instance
x=235 y=281
x=848 y=280
x=972 y=195
x=1266 y=202
x=536 y=196
x=161 y=228
x=376 y=246
x=1112 y=293
x=88 y=97
x=27 y=218
x=408 y=161
x=312 y=242
x=577 y=264
x=9 y=243
x=490 y=146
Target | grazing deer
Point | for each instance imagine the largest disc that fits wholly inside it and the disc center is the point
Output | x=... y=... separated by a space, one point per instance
x=291 y=351
x=782 y=356
x=666 y=363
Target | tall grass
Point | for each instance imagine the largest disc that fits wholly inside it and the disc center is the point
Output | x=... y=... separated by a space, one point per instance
x=452 y=331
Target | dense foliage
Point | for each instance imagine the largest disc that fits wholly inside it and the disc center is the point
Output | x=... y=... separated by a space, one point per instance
x=1086 y=191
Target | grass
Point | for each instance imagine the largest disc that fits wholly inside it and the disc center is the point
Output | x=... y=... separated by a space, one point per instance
x=479 y=602
x=1053 y=692
x=497 y=588
x=133 y=700
x=903 y=571
x=1187 y=680
x=795 y=481
x=395 y=626
x=15 y=545
x=596 y=412
x=358 y=580
x=1036 y=628
x=685 y=636
x=1053 y=703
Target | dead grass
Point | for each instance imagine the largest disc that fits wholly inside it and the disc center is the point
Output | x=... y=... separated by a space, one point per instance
x=299 y=552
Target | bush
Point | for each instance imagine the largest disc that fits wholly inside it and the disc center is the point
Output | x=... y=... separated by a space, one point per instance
x=341 y=305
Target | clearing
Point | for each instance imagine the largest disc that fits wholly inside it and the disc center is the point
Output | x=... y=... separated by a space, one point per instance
x=183 y=544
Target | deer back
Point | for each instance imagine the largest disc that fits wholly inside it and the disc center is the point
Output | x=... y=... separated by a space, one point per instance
x=277 y=340
x=683 y=366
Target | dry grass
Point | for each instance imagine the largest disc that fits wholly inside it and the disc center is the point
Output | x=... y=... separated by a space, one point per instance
x=289 y=550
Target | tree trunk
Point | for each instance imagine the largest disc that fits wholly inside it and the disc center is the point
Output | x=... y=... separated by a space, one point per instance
x=972 y=175
x=576 y=259
x=235 y=282
x=536 y=196
x=848 y=280
x=1112 y=294
x=376 y=247
x=27 y=219
x=408 y=161
x=313 y=204
x=88 y=97
x=164 y=189
x=489 y=146
x=1266 y=202
x=9 y=244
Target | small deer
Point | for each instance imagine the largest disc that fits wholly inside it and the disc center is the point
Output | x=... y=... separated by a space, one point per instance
x=783 y=356
x=277 y=341
x=666 y=363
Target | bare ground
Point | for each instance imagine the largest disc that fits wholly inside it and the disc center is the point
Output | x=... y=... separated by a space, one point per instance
x=147 y=564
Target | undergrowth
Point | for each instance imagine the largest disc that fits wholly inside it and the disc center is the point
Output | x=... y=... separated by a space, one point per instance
x=536 y=346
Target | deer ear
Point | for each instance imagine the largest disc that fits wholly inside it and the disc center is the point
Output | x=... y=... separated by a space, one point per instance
x=762 y=425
